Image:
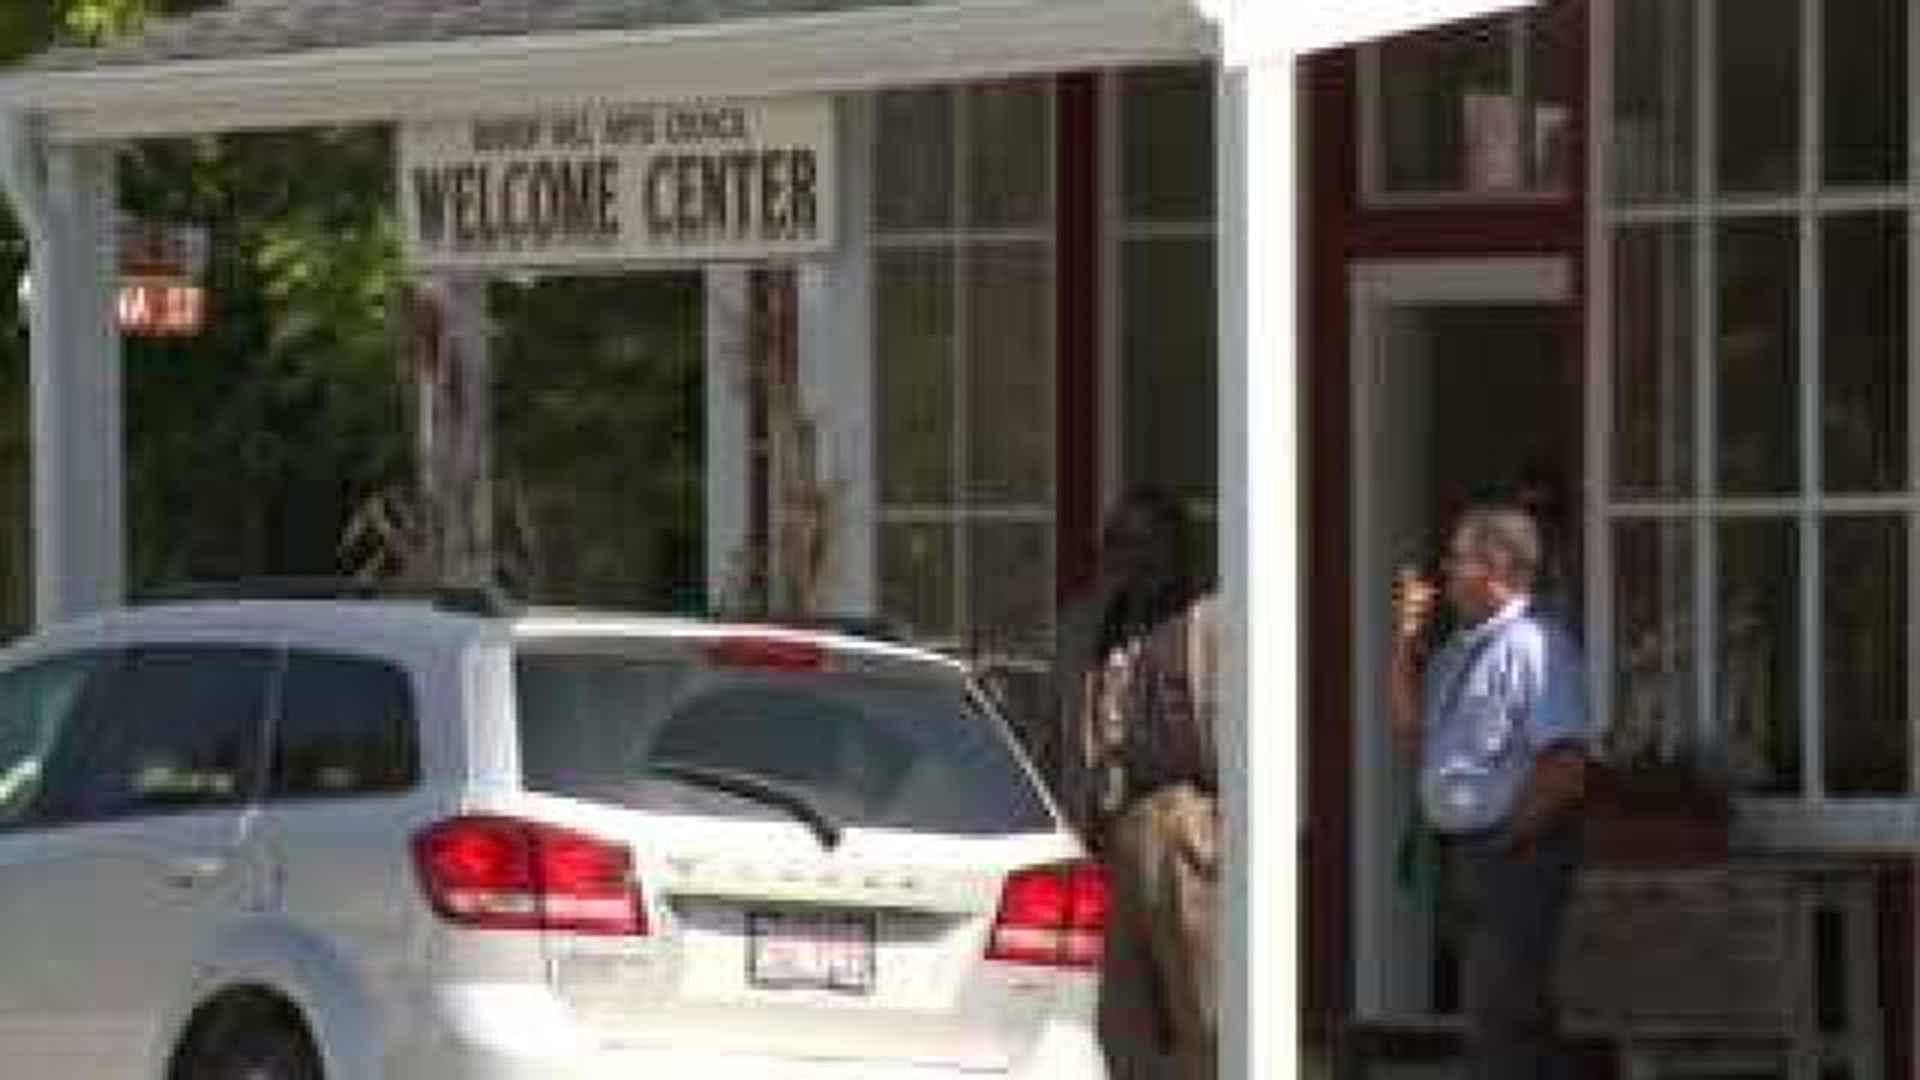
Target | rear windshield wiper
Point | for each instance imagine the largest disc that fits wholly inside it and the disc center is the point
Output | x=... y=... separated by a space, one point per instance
x=748 y=786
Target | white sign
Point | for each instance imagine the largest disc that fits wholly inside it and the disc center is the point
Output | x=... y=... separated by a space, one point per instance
x=620 y=184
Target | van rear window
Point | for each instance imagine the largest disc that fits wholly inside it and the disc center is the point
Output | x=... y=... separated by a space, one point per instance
x=873 y=751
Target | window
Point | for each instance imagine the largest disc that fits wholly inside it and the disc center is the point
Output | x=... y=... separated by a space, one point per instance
x=346 y=727
x=1483 y=108
x=1165 y=326
x=866 y=750
x=183 y=732
x=963 y=271
x=1762 y=510
x=37 y=707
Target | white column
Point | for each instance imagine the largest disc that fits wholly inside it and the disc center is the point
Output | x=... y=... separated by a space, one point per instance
x=65 y=197
x=1260 y=559
x=729 y=455
x=836 y=374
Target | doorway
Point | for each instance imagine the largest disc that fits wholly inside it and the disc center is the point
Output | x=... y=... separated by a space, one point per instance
x=1464 y=391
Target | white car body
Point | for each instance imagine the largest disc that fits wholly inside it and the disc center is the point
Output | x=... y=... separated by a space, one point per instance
x=123 y=934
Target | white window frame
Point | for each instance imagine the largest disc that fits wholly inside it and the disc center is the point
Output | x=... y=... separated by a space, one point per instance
x=1371 y=144
x=1118 y=231
x=953 y=242
x=1812 y=819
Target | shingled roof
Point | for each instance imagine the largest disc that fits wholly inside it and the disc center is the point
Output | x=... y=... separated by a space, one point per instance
x=244 y=29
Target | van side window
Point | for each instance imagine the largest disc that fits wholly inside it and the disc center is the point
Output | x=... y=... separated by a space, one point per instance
x=38 y=710
x=346 y=727
x=183 y=732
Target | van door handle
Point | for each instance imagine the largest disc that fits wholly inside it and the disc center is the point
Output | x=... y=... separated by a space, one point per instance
x=191 y=871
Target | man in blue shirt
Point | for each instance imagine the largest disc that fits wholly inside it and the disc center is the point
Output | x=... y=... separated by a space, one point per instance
x=1498 y=720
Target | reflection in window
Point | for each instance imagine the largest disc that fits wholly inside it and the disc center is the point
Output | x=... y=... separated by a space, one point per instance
x=1758 y=691
x=1653 y=370
x=1864 y=126
x=1479 y=108
x=1865 y=744
x=1758 y=367
x=1653 y=110
x=1759 y=96
x=1864 y=352
x=1655 y=715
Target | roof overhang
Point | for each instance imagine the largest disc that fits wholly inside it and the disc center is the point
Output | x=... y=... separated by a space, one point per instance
x=857 y=50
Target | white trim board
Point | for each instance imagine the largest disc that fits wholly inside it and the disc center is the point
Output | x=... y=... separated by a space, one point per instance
x=895 y=46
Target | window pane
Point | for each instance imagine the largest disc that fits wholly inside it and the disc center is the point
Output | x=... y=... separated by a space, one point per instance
x=1653 y=104
x=347 y=728
x=1653 y=370
x=917 y=579
x=1655 y=708
x=1554 y=32
x=1010 y=567
x=1865 y=626
x=913 y=303
x=913 y=160
x=36 y=707
x=184 y=732
x=1866 y=92
x=1758 y=369
x=1010 y=374
x=1758 y=689
x=867 y=751
x=1758 y=77
x=1010 y=149
x=1864 y=360
x=1167 y=143
x=1167 y=355
x=1447 y=118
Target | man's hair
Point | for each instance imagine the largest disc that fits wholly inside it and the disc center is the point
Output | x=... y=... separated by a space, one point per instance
x=1506 y=535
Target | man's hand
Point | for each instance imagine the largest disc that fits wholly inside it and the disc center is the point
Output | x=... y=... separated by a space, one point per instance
x=1414 y=599
x=1413 y=605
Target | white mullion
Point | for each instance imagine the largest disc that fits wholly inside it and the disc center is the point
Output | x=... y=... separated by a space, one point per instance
x=912 y=238
x=962 y=280
x=1705 y=329
x=1812 y=541
x=1767 y=207
x=1600 y=300
x=1165 y=230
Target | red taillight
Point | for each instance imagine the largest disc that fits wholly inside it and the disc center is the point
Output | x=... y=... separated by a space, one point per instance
x=500 y=874
x=767 y=654
x=1052 y=915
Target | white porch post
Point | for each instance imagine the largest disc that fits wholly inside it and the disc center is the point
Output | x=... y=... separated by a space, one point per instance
x=836 y=374
x=65 y=198
x=455 y=429
x=1260 y=545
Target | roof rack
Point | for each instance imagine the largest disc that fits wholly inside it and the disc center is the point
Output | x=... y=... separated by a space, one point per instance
x=483 y=600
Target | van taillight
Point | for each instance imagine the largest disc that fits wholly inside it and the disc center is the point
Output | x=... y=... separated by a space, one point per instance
x=498 y=873
x=1052 y=915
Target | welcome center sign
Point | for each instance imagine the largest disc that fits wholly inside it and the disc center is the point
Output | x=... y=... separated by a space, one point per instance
x=620 y=184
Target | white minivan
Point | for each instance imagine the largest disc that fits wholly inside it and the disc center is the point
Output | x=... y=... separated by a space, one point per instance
x=387 y=839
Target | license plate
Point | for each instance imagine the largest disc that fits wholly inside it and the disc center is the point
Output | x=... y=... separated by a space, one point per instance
x=789 y=951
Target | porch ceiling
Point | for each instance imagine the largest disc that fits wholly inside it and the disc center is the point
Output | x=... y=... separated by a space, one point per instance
x=297 y=63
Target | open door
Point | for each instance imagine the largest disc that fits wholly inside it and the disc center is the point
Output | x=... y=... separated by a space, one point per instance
x=1463 y=392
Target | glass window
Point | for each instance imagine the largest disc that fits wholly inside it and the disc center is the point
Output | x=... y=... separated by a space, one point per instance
x=1864 y=605
x=1758 y=367
x=1167 y=142
x=1478 y=108
x=38 y=705
x=183 y=732
x=1169 y=327
x=1758 y=82
x=875 y=751
x=1864 y=352
x=965 y=359
x=1653 y=105
x=346 y=727
x=1656 y=706
x=1759 y=649
x=1653 y=369
x=1864 y=126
